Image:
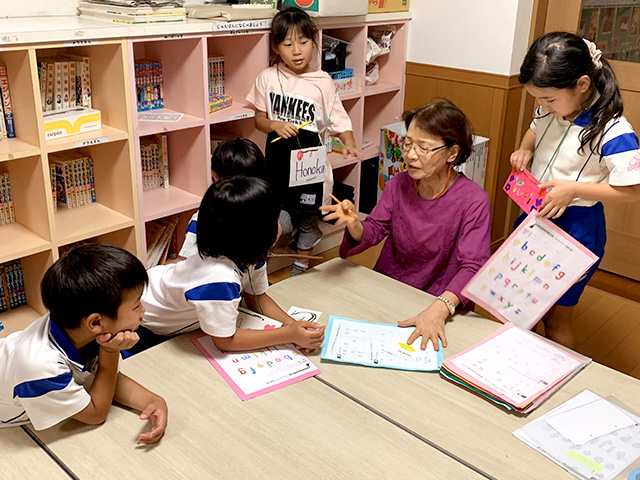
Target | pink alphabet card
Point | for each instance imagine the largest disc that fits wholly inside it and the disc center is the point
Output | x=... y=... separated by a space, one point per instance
x=527 y=275
x=524 y=189
x=254 y=373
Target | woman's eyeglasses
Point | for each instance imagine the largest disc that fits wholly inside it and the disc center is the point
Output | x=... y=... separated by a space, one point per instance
x=419 y=149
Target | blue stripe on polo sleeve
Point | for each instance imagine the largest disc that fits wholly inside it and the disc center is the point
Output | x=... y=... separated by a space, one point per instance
x=191 y=228
x=622 y=143
x=224 y=291
x=37 y=388
x=260 y=265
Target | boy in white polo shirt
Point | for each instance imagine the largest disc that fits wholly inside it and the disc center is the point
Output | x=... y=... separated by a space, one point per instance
x=65 y=365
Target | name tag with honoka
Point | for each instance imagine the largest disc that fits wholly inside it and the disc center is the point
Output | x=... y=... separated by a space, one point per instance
x=307 y=166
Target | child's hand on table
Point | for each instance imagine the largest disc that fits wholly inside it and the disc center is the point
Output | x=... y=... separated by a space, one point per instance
x=306 y=335
x=157 y=412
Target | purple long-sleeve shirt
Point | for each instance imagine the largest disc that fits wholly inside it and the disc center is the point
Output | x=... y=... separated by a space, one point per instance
x=434 y=245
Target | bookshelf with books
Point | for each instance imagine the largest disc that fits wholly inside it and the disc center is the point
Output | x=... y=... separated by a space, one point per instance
x=244 y=54
x=105 y=203
x=122 y=207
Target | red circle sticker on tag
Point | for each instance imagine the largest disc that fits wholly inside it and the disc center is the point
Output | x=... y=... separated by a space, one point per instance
x=300 y=155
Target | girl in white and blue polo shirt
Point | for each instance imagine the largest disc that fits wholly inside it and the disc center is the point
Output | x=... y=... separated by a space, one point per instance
x=237 y=225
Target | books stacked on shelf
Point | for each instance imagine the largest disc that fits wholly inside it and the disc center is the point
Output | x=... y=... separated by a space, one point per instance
x=216 y=75
x=52 y=178
x=218 y=101
x=161 y=240
x=7 y=128
x=149 y=92
x=65 y=82
x=514 y=368
x=154 y=156
x=7 y=213
x=132 y=14
x=217 y=98
x=12 y=293
x=74 y=179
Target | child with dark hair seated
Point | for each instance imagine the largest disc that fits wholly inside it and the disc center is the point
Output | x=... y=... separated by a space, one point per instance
x=65 y=364
x=237 y=225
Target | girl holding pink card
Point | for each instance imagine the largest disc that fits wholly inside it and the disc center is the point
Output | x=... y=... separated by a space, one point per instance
x=579 y=146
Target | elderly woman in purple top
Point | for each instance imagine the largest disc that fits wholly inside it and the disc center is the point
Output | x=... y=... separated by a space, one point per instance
x=435 y=220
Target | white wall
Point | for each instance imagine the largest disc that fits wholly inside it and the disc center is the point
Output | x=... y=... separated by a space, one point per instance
x=482 y=35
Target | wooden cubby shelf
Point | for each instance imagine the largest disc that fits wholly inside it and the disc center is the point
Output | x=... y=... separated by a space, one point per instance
x=122 y=206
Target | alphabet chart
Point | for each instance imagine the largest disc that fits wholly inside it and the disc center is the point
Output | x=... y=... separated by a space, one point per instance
x=527 y=275
x=523 y=189
x=377 y=345
x=602 y=458
x=254 y=373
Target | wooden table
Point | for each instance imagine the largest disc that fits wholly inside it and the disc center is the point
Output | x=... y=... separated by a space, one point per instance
x=23 y=458
x=441 y=412
x=306 y=430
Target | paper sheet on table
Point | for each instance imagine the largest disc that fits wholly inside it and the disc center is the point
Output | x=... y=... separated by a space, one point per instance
x=601 y=458
x=376 y=345
x=513 y=364
x=254 y=321
x=257 y=372
x=584 y=423
x=304 y=314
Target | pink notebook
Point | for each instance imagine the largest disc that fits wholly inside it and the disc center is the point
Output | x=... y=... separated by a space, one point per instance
x=254 y=373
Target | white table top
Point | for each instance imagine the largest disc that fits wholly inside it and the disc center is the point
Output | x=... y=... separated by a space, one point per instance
x=449 y=415
x=304 y=430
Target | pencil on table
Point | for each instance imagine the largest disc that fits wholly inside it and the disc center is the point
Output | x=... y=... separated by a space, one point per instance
x=353 y=214
x=303 y=125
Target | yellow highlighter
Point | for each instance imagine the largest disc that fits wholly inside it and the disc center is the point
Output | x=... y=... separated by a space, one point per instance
x=353 y=214
x=303 y=125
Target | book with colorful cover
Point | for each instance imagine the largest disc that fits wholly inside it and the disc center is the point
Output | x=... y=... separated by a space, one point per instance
x=6 y=102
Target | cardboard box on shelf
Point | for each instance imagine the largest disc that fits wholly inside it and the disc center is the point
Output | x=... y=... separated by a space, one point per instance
x=475 y=168
x=379 y=6
x=62 y=124
x=328 y=8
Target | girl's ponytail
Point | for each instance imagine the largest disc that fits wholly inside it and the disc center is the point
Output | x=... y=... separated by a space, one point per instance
x=559 y=60
x=606 y=108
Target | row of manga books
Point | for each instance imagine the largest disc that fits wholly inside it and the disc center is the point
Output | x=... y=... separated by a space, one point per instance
x=161 y=240
x=149 y=92
x=65 y=82
x=7 y=128
x=154 y=155
x=7 y=213
x=73 y=178
x=12 y=293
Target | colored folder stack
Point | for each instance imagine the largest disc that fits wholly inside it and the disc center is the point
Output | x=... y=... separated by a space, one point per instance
x=514 y=368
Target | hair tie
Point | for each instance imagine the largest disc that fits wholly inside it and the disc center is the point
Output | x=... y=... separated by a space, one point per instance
x=595 y=53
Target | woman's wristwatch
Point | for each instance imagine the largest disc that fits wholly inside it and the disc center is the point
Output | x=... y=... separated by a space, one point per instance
x=448 y=303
